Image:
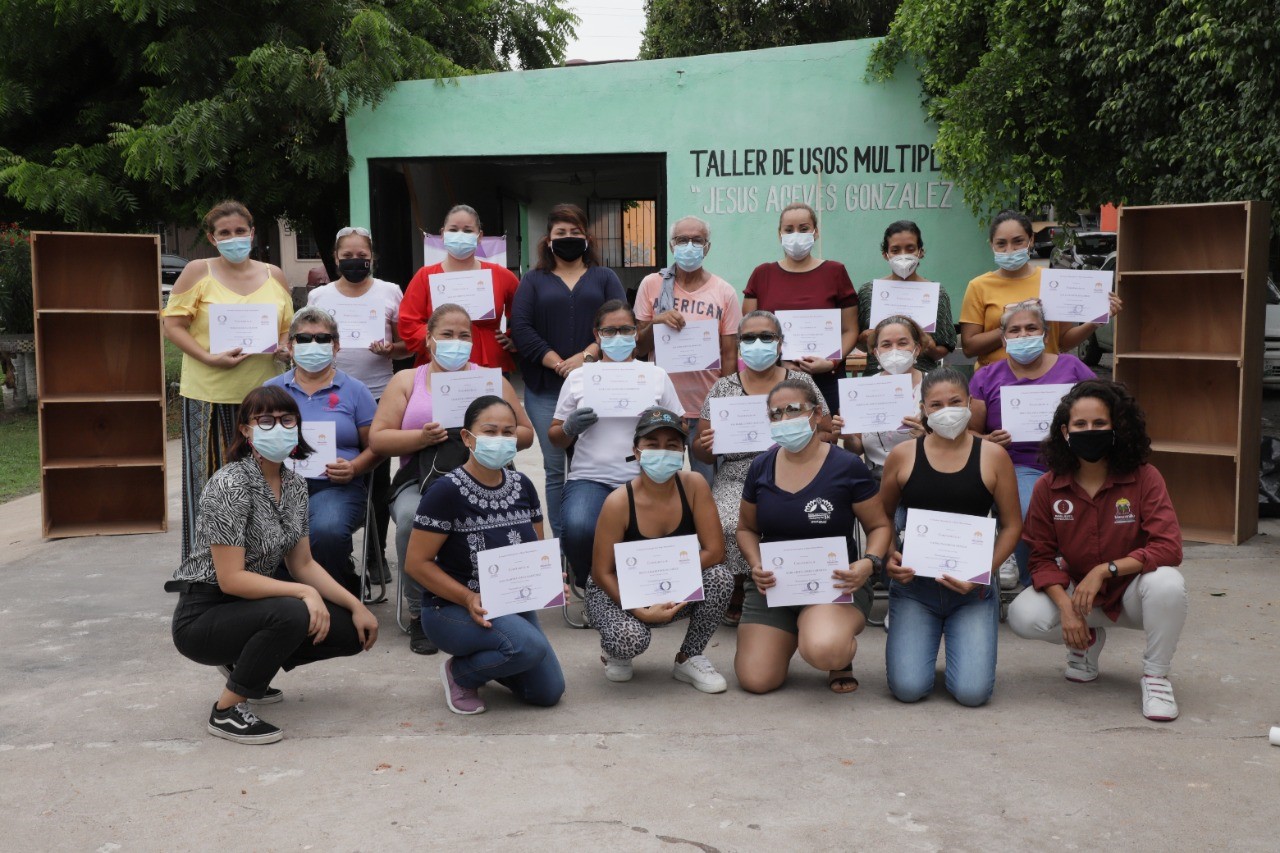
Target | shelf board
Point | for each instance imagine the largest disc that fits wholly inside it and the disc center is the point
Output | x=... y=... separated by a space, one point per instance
x=151 y=461
x=150 y=312
x=1208 y=535
x=100 y=528
x=1157 y=273
x=1182 y=356
x=101 y=397
x=1202 y=448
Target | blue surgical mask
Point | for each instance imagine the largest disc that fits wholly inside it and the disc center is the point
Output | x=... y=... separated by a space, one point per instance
x=1013 y=260
x=618 y=347
x=461 y=244
x=661 y=465
x=759 y=355
x=1025 y=350
x=495 y=451
x=793 y=435
x=452 y=354
x=313 y=357
x=235 y=249
x=689 y=256
x=276 y=443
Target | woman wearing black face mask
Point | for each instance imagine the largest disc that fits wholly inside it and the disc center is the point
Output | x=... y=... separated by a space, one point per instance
x=1104 y=540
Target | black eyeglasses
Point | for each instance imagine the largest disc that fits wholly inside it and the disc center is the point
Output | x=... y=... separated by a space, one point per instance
x=790 y=410
x=762 y=337
x=318 y=338
x=611 y=331
x=269 y=421
x=688 y=241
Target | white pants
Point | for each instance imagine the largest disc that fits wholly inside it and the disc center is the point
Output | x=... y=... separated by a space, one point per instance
x=1155 y=602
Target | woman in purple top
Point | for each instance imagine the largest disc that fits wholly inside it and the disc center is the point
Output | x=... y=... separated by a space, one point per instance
x=1022 y=327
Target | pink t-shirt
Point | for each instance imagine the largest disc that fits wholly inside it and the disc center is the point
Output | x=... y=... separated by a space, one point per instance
x=715 y=300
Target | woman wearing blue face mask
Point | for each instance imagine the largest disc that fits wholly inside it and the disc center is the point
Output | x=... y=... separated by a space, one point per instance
x=759 y=342
x=214 y=383
x=1026 y=362
x=805 y=489
x=663 y=501
x=601 y=442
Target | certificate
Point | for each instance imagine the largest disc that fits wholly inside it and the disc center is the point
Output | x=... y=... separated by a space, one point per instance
x=803 y=569
x=658 y=571
x=947 y=543
x=811 y=333
x=519 y=578
x=360 y=322
x=323 y=438
x=453 y=392
x=618 y=390
x=252 y=327
x=915 y=299
x=741 y=424
x=472 y=290
x=695 y=347
x=876 y=403
x=1076 y=296
x=1027 y=410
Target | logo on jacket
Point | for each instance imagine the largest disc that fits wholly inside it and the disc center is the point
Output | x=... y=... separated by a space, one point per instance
x=1063 y=510
x=819 y=510
x=1124 y=512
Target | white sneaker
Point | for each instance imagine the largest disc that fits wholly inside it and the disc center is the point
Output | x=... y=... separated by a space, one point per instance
x=1157 y=699
x=618 y=670
x=1082 y=667
x=1009 y=573
x=699 y=672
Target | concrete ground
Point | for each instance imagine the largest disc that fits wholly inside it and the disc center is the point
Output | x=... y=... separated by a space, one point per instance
x=103 y=745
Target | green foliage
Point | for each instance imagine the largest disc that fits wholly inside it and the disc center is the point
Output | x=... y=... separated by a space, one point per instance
x=17 y=311
x=692 y=27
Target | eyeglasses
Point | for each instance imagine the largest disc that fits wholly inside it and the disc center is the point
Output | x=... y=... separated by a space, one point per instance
x=612 y=331
x=1033 y=302
x=359 y=232
x=762 y=337
x=688 y=241
x=790 y=410
x=269 y=421
x=318 y=337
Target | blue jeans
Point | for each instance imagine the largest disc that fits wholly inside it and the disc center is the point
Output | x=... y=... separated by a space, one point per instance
x=706 y=469
x=403 y=510
x=541 y=408
x=582 y=502
x=921 y=613
x=514 y=652
x=336 y=512
x=1027 y=477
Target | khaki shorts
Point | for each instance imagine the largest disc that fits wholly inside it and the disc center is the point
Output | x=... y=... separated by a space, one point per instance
x=756 y=610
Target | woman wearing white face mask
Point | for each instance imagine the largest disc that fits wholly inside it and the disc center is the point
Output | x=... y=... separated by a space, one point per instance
x=897 y=341
x=663 y=501
x=759 y=342
x=799 y=281
x=903 y=248
x=948 y=470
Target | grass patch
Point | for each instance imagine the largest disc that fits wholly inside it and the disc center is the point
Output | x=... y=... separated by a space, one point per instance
x=19 y=454
x=172 y=373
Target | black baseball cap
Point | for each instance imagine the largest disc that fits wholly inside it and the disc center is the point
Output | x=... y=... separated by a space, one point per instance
x=656 y=418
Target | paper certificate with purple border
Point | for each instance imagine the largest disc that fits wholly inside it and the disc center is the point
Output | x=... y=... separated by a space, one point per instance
x=741 y=424
x=454 y=391
x=658 y=571
x=695 y=347
x=803 y=568
x=520 y=578
x=323 y=438
x=915 y=299
x=470 y=289
x=1026 y=411
x=251 y=326
x=813 y=333
x=948 y=543
x=1076 y=296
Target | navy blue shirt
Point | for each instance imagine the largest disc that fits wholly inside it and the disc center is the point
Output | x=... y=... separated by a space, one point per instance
x=822 y=508
x=547 y=315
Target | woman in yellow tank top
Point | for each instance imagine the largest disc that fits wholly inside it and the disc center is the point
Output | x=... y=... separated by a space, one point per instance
x=214 y=383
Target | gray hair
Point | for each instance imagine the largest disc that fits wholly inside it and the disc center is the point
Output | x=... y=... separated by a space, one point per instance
x=706 y=229
x=768 y=315
x=313 y=314
x=462 y=208
x=1034 y=306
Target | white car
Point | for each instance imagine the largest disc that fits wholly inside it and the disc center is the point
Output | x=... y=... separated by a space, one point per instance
x=1271 y=344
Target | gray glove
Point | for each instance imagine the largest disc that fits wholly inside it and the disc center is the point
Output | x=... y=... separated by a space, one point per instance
x=579 y=421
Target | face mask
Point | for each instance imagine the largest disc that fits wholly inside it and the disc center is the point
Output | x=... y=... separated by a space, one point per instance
x=661 y=465
x=313 y=357
x=569 y=248
x=276 y=443
x=758 y=355
x=1025 y=350
x=494 y=451
x=460 y=244
x=793 y=435
x=1091 y=444
x=688 y=256
x=797 y=244
x=452 y=355
x=949 y=422
x=904 y=265
x=1013 y=260
x=619 y=347
x=355 y=270
x=235 y=249
x=896 y=361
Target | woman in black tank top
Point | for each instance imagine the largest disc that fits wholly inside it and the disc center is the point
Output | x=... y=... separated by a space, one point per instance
x=948 y=470
x=662 y=502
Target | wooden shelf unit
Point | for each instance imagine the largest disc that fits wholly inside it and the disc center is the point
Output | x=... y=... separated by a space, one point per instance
x=99 y=356
x=1189 y=346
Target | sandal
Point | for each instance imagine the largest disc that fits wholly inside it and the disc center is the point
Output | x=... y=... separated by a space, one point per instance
x=733 y=613
x=842 y=680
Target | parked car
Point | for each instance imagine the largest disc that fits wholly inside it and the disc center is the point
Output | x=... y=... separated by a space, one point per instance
x=171 y=267
x=1271 y=351
x=1084 y=250
x=1043 y=244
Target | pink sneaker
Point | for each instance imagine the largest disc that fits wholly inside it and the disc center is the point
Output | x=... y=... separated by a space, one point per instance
x=462 y=700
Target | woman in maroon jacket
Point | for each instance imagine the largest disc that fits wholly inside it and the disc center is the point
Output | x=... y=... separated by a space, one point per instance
x=1104 y=539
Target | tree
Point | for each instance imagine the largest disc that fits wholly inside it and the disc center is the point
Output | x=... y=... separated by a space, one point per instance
x=691 y=27
x=1081 y=102
x=122 y=114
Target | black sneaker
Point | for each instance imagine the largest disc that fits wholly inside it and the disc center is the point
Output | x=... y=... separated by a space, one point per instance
x=419 y=642
x=239 y=724
x=271 y=697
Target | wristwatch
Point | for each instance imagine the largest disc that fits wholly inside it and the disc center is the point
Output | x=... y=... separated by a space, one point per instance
x=877 y=564
x=1114 y=569
x=588 y=358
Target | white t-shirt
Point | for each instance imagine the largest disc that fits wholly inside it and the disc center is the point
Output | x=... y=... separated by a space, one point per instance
x=373 y=370
x=601 y=451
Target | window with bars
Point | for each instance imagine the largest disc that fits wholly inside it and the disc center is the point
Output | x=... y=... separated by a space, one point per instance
x=625 y=231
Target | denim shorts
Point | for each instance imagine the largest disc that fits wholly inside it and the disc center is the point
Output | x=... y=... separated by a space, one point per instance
x=756 y=610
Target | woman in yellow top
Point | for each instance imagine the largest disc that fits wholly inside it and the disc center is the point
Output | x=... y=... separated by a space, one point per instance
x=214 y=383
x=1015 y=280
